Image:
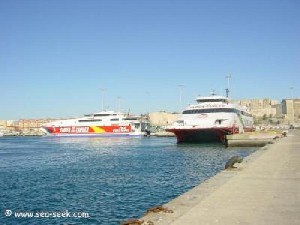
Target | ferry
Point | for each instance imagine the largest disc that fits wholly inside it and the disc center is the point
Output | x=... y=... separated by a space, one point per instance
x=211 y=119
x=105 y=123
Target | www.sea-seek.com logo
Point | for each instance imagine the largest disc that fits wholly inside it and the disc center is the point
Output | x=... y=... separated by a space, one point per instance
x=54 y=214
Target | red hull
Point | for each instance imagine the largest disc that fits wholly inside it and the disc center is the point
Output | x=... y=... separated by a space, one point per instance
x=202 y=135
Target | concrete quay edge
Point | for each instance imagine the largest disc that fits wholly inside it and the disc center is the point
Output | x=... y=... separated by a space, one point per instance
x=263 y=189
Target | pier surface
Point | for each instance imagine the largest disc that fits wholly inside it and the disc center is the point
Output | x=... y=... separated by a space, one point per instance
x=264 y=189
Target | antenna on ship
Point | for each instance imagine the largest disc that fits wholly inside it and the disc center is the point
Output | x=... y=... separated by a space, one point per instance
x=227 y=92
x=102 y=98
x=228 y=77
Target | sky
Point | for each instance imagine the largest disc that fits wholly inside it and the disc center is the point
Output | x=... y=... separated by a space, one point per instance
x=64 y=58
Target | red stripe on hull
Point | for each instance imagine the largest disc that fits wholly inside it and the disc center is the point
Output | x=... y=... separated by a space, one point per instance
x=88 y=130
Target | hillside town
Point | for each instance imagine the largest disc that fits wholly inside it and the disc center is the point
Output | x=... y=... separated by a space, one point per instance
x=267 y=113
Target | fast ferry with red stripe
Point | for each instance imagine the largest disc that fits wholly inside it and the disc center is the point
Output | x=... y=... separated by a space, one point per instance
x=211 y=119
x=106 y=123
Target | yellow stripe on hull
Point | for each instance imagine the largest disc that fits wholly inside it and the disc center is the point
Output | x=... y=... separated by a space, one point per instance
x=97 y=129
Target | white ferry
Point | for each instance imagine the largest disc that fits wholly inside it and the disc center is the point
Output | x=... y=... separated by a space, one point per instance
x=211 y=119
x=106 y=123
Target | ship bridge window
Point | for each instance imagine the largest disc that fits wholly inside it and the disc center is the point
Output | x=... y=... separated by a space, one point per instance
x=216 y=110
x=89 y=120
x=212 y=100
x=212 y=110
x=102 y=114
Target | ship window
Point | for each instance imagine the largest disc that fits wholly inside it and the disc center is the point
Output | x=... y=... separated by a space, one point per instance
x=216 y=110
x=89 y=120
x=213 y=110
x=102 y=114
x=211 y=100
x=115 y=119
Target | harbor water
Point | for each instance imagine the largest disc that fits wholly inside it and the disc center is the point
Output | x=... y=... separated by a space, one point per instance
x=99 y=180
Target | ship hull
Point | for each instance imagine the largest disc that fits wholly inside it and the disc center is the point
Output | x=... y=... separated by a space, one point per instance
x=204 y=135
x=92 y=131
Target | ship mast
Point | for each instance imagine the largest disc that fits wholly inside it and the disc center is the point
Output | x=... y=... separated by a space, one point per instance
x=228 y=77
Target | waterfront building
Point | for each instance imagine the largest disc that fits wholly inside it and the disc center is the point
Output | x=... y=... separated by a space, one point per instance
x=288 y=111
x=291 y=110
x=162 y=118
x=260 y=107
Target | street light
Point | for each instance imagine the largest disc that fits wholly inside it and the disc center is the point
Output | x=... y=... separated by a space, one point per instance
x=102 y=98
x=119 y=104
x=180 y=86
x=292 y=88
x=148 y=99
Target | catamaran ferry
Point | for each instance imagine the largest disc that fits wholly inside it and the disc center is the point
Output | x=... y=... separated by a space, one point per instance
x=211 y=119
x=106 y=123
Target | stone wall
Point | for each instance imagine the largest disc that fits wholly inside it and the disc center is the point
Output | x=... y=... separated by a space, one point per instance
x=162 y=118
x=291 y=109
x=260 y=107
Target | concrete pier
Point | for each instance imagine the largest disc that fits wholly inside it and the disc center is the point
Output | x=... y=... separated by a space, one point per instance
x=263 y=189
x=252 y=139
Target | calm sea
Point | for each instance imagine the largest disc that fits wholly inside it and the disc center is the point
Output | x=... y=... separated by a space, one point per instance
x=99 y=180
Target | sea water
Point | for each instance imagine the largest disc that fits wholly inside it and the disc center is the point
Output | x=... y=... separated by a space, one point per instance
x=99 y=180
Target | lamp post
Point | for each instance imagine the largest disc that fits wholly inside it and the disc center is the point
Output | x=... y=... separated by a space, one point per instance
x=119 y=104
x=292 y=89
x=180 y=86
x=148 y=99
x=102 y=98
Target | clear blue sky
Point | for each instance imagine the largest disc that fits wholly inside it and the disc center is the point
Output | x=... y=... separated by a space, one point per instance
x=56 y=55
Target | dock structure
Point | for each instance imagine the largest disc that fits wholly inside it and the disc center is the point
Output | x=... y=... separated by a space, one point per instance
x=263 y=189
x=253 y=139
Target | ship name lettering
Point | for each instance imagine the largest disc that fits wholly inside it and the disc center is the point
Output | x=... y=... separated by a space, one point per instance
x=82 y=129
x=121 y=130
x=207 y=106
x=65 y=130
